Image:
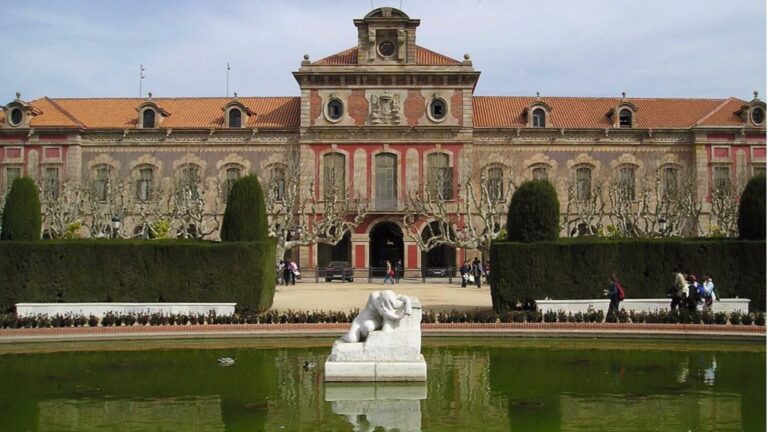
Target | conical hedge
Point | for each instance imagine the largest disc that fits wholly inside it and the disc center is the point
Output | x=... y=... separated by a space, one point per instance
x=245 y=218
x=534 y=213
x=21 y=215
x=752 y=210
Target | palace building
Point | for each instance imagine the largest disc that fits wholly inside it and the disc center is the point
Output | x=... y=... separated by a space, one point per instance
x=380 y=118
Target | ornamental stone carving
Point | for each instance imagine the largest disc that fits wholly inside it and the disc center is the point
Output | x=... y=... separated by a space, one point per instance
x=385 y=109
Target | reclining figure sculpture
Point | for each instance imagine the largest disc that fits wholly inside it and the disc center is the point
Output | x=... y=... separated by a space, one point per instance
x=382 y=312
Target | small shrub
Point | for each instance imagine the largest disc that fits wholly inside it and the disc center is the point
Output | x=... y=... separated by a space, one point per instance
x=707 y=317
x=578 y=317
x=80 y=321
x=109 y=319
x=93 y=321
x=735 y=318
x=518 y=316
x=68 y=320
x=533 y=316
x=128 y=319
x=721 y=318
x=562 y=316
x=760 y=319
x=550 y=316
x=747 y=319
x=142 y=318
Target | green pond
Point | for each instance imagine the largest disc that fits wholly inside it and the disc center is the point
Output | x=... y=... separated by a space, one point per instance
x=484 y=384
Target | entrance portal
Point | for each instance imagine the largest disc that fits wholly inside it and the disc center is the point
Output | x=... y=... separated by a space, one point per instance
x=341 y=251
x=439 y=260
x=386 y=243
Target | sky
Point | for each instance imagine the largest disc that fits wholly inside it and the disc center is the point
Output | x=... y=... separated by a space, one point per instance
x=647 y=48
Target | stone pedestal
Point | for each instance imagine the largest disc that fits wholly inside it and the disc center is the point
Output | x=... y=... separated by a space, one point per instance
x=386 y=355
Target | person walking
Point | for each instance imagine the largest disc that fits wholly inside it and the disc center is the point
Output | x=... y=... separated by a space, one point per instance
x=676 y=291
x=294 y=270
x=286 y=266
x=613 y=295
x=390 y=274
x=477 y=271
x=464 y=271
x=708 y=292
x=398 y=269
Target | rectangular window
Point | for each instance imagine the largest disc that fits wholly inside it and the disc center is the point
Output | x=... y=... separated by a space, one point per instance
x=540 y=173
x=51 y=182
x=144 y=184
x=386 y=181
x=334 y=174
x=190 y=180
x=233 y=173
x=101 y=184
x=277 y=186
x=439 y=177
x=626 y=183
x=721 y=179
x=495 y=184
x=758 y=170
x=11 y=174
x=583 y=184
x=669 y=183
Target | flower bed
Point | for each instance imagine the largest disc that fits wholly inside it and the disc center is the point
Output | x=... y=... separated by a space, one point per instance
x=303 y=317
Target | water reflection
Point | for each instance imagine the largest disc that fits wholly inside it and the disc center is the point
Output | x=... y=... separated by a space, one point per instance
x=378 y=406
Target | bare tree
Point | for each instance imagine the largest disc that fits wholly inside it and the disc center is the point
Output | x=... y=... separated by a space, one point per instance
x=106 y=200
x=297 y=217
x=63 y=206
x=472 y=221
x=724 y=213
x=191 y=216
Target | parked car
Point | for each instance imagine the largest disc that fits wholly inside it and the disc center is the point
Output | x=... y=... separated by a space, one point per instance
x=436 y=272
x=339 y=270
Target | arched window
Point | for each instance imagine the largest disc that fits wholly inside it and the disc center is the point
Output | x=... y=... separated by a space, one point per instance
x=495 y=184
x=144 y=183
x=277 y=183
x=148 y=118
x=101 y=179
x=669 y=182
x=583 y=183
x=625 y=118
x=386 y=181
x=540 y=172
x=235 y=118
x=626 y=182
x=334 y=176
x=539 y=118
x=439 y=177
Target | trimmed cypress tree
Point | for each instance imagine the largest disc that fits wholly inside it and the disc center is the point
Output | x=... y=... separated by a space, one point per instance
x=245 y=218
x=21 y=215
x=752 y=210
x=534 y=213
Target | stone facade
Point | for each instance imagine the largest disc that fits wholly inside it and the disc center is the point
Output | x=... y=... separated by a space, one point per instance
x=386 y=99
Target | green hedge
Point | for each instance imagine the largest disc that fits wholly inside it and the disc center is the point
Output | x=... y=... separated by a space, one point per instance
x=579 y=269
x=245 y=218
x=534 y=212
x=21 y=214
x=138 y=271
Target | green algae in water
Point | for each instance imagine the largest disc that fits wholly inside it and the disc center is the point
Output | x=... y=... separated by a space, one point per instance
x=473 y=384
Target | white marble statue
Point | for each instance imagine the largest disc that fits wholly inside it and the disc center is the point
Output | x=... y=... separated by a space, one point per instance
x=383 y=343
x=382 y=312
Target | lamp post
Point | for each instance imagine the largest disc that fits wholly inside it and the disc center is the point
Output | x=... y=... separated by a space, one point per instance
x=663 y=225
x=115 y=226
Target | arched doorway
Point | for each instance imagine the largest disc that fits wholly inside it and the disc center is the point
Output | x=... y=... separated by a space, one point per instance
x=439 y=258
x=386 y=243
x=341 y=251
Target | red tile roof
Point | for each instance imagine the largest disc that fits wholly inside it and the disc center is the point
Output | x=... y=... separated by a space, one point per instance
x=269 y=112
x=424 y=57
x=586 y=112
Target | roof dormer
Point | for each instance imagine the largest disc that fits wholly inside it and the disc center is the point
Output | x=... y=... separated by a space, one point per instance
x=537 y=113
x=236 y=114
x=19 y=113
x=385 y=36
x=753 y=112
x=624 y=115
x=151 y=115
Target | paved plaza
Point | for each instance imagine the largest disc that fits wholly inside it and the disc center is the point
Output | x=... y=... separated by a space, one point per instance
x=434 y=296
